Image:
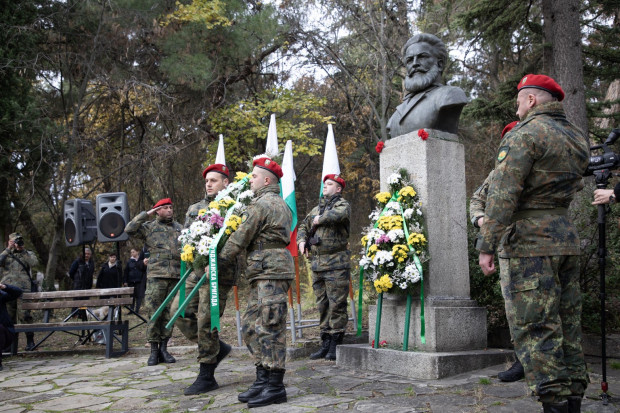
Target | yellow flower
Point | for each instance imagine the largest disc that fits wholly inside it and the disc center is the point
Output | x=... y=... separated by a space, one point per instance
x=233 y=223
x=202 y=212
x=390 y=222
x=383 y=284
x=214 y=205
x=383 y=197
x=399 y=252
x=228 y=231
x=364 y=241
x=416 y=238
x=240 y=175
x=373 y=249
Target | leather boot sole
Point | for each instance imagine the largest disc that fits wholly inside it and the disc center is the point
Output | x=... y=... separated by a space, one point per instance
x=277 y=401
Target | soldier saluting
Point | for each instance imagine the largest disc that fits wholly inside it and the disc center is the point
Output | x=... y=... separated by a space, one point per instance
x=161 y=239
x=325 y=233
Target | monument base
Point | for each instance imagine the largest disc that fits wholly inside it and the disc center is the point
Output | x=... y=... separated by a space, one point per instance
x=416 y=364
x=450 y=324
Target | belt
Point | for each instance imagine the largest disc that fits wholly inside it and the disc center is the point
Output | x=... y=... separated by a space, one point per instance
x=536 y=213
x=330 y=251
x=267 y=246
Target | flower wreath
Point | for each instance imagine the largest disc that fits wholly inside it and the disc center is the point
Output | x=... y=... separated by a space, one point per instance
x=224 y=211
x=395 y=244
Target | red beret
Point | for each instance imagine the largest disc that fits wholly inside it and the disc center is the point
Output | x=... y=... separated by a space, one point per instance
x=162 y=202
x=542 y=82
x=270 y=165
x=509 y=127
x=216 y=167
x=336 y=178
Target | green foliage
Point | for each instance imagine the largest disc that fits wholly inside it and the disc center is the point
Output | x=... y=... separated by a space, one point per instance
x=244 y=124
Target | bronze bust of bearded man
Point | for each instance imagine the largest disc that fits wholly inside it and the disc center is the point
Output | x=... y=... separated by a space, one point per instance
x=428 y=103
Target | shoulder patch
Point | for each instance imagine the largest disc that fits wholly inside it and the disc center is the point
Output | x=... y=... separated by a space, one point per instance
x=503 y=152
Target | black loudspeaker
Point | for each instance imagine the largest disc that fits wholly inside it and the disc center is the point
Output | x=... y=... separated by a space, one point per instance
x=112 y=216
x=80 y=222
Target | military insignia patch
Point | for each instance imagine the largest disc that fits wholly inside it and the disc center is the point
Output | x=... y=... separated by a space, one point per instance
x=503 y=152
x=524 y=80
x=243 y=218
x=336 y=177
x=267 y=162
x=224 y=168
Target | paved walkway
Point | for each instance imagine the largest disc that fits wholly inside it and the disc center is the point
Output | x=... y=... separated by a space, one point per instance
x=85 y=382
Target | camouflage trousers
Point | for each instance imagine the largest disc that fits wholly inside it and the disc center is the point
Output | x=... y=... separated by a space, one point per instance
x=331 y=289
x=196 y=324
x=14 y=308
x=543 y=306
x=157 y=289
x=264 y=322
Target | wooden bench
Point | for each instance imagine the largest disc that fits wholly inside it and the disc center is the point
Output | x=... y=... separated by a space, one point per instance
x=87 y=300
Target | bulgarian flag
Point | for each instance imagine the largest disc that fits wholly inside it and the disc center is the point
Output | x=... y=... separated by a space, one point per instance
x=330 y=157
x=287 y=191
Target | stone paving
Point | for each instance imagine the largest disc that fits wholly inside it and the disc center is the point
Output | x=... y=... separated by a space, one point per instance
x=83 y=382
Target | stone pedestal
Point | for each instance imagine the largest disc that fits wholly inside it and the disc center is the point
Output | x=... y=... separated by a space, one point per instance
x=455 y=325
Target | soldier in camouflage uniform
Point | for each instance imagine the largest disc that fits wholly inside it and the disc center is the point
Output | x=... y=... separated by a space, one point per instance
x=161 y=239
x=537 y=173
x=196 y=323
x=477 y=204
x=325 y=233
x=16 y=264
x=264 y=234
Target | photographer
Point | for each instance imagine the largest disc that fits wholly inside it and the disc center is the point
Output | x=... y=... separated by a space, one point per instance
x=16 y=264
x=325 y=233
x=606 y=196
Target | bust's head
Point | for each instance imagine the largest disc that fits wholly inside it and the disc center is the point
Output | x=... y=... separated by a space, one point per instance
x=425 y=57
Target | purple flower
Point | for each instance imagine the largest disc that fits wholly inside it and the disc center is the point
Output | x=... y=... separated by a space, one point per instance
x=382 y=239
x=216 y=220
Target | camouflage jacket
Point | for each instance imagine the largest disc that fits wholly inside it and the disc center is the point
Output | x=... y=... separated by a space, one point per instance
x=478 y=201
x=537 y=173
x=11 y=269
x=333 y=231
x=161 y=239
x=264 y=233
x=192 y=211
x=227 y=273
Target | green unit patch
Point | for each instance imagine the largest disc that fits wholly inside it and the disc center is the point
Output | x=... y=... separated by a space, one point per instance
x=503 y=152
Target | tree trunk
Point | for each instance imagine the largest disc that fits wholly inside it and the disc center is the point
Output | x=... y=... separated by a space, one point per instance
x=563 y=16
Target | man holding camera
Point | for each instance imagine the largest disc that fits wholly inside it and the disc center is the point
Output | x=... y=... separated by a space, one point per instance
x=16 y=264
x=325 y=234
x=538 y=170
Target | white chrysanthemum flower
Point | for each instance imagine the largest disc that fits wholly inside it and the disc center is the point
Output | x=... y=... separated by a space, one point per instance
x=408 y=213
x=419 y=211
x=374 y=215
x=394 y=206
x=198 y=228
x=396 y=235
x=374 y=234
x=383 y=257
x=411 y=273
x=245 y=195
x=365 y=262
x=394 y=178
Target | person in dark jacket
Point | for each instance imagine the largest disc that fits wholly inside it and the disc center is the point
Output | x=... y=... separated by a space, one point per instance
x=135 y=276
x=7 y=332
x=111 y=273
x=81 y=273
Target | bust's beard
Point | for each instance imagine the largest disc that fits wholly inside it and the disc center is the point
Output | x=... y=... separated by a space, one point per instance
x=422 y=81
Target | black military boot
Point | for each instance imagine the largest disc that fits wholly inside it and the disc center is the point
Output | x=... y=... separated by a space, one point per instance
x=574 y=404
x=327 y=338
x=164 y=356
x=514 y=373
x=262 y=378
x=205 y=381
x=221 y=355
x=555 y=407
x=29 y=341
x=335 y=341
x=154 y=357
x=273 y=393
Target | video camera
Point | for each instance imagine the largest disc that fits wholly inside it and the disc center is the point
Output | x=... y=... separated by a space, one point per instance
x=600 y=165
x=19 y=242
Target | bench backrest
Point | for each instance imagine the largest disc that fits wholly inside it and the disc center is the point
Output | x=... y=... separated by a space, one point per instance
x=97 y=297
